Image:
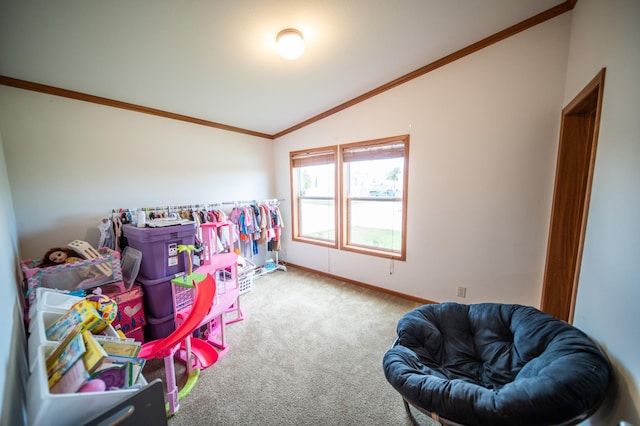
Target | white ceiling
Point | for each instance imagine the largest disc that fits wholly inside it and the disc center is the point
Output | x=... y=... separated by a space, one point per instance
x=215 y=60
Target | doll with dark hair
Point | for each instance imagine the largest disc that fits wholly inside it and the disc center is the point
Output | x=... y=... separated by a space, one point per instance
x=58 y=256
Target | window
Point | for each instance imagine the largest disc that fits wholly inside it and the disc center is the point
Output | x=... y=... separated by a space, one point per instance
x=313 y=184
x=373 y=184
x=362 y=187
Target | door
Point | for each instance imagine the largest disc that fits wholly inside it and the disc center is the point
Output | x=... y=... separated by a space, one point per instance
x=570 y=206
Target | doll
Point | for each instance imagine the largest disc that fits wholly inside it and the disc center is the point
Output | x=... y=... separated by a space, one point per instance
x=58 y=256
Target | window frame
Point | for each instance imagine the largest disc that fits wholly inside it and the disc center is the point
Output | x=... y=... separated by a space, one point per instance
x=347 y=150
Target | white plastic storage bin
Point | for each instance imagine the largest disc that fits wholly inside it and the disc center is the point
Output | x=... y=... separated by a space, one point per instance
x=66 y=409
x=245 y=282
x=38 y=335
x=246 y=272
x=49 y=300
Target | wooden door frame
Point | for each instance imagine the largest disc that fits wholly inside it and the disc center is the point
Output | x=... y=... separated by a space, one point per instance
x=570 y=206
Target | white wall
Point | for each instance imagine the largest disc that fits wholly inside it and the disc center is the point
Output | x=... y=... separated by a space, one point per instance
x=484 y=133
x=70 y=162
x=607 y=34
x=13 y=369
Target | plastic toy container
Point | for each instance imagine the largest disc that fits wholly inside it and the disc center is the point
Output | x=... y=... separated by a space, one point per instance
x=245 y=282
x=45 y=408
x=50 y=300
x=130 y=264
x=159 y=247
x=246 y=272
x=157 y=296
x=81 y=275
x=157 y=328
x=38 y=337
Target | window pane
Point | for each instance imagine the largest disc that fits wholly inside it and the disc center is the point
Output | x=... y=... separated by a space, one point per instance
x=315 y=198
x=317 y=219
x=376 y=224
x=316 y=181
x=377 y=178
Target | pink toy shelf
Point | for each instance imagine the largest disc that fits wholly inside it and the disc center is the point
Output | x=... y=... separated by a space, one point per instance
x=223 y=267
x=210 y=239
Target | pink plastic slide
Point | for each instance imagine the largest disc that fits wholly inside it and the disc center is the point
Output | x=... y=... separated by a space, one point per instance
x=203 y=351
x=205 y=291
x=167 y=346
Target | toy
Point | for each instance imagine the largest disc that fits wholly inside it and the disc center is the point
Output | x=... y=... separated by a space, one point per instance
x=77 y=276
x=85 y=249
x=58 y=256
x=181 y=338
x=106 y=307
x=93 y=385
x=83 y=313
x=188 y=248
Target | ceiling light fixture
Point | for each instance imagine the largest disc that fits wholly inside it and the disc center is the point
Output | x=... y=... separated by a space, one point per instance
x=290 y=43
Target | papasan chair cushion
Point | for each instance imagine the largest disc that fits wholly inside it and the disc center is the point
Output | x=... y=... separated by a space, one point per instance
x=496 y=364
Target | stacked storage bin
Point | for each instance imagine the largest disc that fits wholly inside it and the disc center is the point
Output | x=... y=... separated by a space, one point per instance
x=161 y=262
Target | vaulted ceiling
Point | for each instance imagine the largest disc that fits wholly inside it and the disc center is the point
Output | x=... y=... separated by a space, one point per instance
x=214 y=62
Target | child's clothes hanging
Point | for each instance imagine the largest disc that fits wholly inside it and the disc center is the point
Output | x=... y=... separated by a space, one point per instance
x=264 y=212
x=276 y=228
x=107 y=234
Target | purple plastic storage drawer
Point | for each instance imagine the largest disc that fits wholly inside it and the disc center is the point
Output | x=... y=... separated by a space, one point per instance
x=157 y=296
x=159 y=247
x=157 y=328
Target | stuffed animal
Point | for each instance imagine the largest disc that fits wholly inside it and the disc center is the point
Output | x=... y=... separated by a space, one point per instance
x=59 y=256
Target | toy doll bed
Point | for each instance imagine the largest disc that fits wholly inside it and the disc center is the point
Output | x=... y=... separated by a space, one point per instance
x=495 y=364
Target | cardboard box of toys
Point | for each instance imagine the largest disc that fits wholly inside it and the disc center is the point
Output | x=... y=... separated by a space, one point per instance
x=131 y=315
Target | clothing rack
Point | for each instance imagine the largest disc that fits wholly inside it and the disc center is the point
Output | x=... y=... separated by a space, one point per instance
x=267 y=201
x=270 y=201
x=273 y=201
x=173 y=212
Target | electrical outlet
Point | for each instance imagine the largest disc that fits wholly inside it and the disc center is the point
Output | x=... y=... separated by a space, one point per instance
x=462 y=291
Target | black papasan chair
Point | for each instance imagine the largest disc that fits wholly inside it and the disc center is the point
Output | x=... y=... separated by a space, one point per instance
x=495 y=364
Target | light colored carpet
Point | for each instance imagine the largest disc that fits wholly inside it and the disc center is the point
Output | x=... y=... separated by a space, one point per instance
x=309 y=352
